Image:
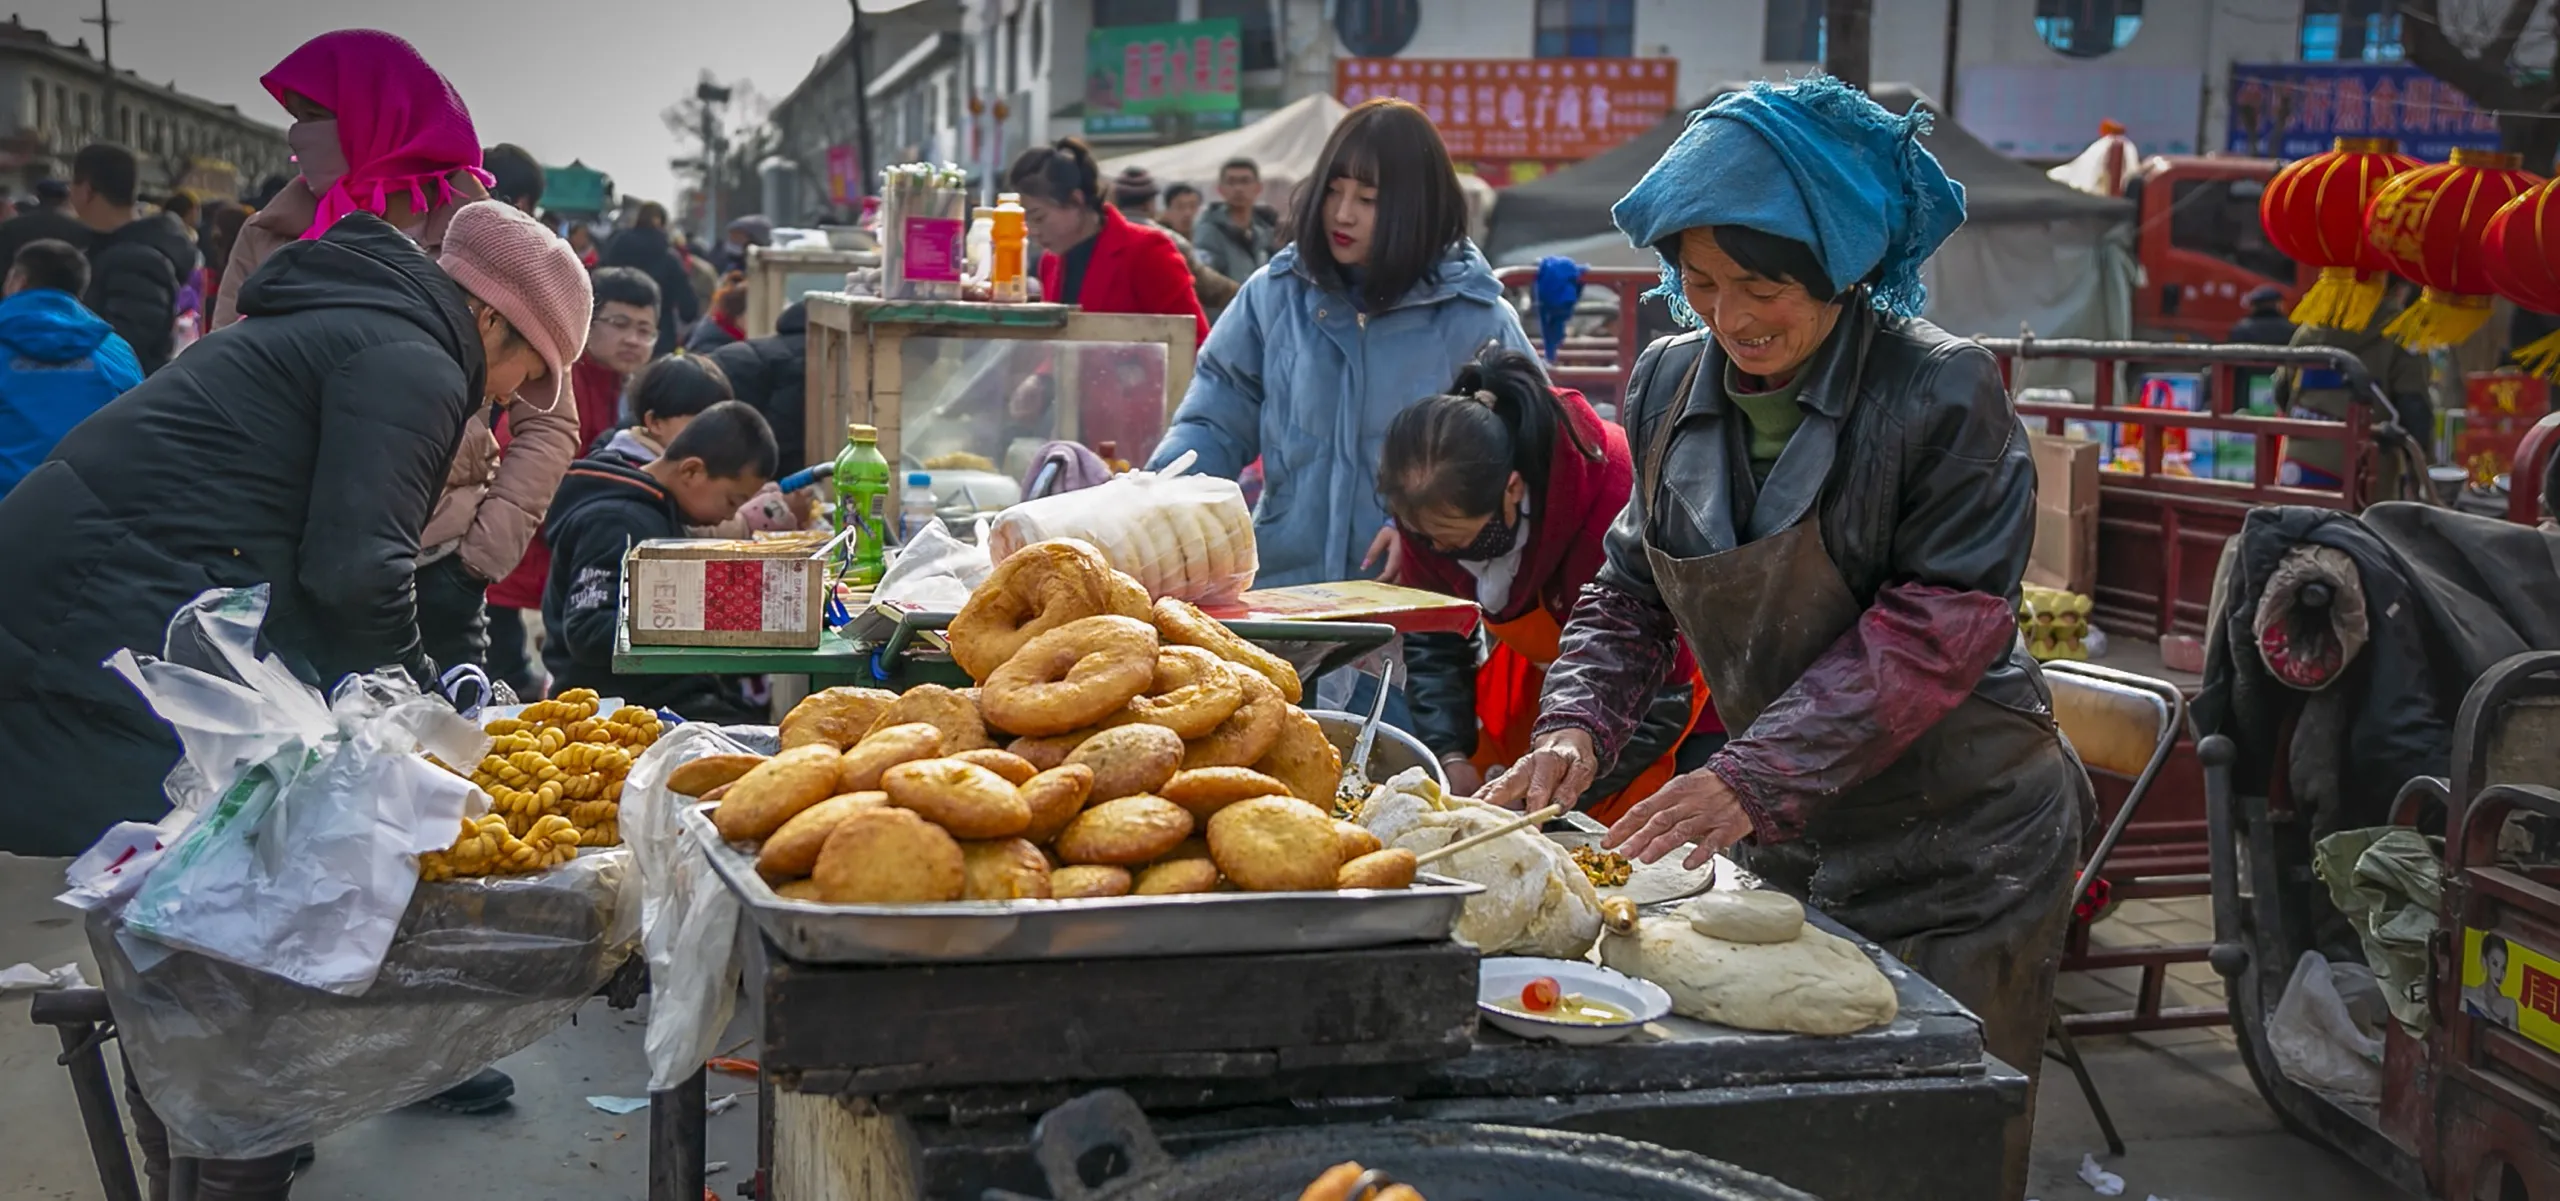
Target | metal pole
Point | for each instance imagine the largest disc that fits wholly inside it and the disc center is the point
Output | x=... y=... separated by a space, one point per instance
x=106 y=23
x=1947 y=86
x=861 y=109
x=1844 y=50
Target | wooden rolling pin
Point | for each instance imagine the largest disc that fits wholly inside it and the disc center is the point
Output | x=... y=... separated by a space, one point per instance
x=1472 y=841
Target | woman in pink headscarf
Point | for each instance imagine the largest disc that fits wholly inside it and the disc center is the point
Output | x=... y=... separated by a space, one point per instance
x=374 y=128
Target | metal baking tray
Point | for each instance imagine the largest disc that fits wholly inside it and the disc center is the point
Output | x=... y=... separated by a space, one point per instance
x=1214 y=923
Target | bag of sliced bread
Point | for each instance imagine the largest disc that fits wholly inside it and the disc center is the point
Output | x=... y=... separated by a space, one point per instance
x=1183 y=536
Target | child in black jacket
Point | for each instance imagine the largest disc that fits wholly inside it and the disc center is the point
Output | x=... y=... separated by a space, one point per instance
x=606 y=504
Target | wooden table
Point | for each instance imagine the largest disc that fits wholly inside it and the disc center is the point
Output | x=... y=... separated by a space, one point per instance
x=1912 y=1110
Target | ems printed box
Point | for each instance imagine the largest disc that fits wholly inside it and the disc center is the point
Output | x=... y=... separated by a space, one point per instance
x=2066 y=547
x=768 y=592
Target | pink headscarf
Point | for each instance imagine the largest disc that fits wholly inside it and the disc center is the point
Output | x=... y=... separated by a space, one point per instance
x=400 y=123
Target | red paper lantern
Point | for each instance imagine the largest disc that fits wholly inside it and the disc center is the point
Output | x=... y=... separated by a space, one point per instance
x=2429 y=225
x=2313 y=211
x=2522 y=248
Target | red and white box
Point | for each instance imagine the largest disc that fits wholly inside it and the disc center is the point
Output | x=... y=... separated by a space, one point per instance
x=723 y=592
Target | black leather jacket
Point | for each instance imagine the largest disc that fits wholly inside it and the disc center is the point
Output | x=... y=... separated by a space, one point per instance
x=1931 y=485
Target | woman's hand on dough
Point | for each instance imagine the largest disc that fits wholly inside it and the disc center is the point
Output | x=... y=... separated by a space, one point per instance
x=1465 y=778
x=1695 y=808
x=1559 y=765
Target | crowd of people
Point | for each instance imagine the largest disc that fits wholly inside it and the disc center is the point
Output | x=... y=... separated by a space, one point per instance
x=1770 y=606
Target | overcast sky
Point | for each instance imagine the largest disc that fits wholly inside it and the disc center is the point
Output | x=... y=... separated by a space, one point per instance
x=565 y=79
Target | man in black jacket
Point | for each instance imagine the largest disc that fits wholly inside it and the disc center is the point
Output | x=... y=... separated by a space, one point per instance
x=646 y=247
x=301 y=450
x=723 y=457
x=50 y=218
x=135 y=263
x=773 y=375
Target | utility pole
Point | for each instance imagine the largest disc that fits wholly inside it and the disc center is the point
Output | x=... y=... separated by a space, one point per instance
x=861 y=109
x=106 y=23
x=711 y=95
x=1844 y=40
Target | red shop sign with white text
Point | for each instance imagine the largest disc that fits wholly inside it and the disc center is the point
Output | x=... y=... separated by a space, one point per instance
x=1503 y=108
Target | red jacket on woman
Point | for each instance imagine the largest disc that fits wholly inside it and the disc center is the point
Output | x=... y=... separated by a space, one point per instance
x=1135 y=269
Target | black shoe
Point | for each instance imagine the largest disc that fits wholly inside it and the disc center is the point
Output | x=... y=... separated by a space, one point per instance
x=487 y=1091
x=303 y=1157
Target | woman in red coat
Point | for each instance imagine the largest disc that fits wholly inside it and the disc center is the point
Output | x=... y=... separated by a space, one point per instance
x=1095 y=259
x=1501 y=490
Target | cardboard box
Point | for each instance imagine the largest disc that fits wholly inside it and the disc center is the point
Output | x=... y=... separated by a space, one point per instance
x=2066 y=527
x=767 y=592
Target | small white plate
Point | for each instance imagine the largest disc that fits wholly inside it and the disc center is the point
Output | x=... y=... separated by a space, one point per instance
x=1502 y=978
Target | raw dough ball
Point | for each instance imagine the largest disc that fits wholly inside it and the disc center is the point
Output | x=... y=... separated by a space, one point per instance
x=1817 y=984
x=1753 y=915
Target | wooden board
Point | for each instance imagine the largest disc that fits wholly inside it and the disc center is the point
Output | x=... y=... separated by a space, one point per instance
x=871 y=1030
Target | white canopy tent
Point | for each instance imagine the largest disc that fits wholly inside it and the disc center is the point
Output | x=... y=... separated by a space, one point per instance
x=1285 y=145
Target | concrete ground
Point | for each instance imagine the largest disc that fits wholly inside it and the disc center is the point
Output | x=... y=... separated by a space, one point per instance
x=2195 y=1127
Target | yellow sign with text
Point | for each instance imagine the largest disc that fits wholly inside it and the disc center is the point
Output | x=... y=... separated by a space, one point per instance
x=2513 y=985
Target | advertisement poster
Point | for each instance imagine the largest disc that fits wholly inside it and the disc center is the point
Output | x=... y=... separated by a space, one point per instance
x=1135 y=72
x=1548 y=109
x=2511 y=985
x=2296 y=110
x=842 y=188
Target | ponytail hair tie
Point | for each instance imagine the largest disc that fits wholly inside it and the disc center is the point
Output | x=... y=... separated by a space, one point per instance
x=1484 y=397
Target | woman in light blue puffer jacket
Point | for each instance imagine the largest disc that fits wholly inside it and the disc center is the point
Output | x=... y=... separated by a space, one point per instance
x=1375 y=306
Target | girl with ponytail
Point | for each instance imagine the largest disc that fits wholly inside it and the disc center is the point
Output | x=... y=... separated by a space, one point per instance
x=1501 y=490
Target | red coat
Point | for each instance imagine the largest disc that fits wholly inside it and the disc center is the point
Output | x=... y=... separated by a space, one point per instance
x=597 y=389
x=1566 y=525
x=1135 y=269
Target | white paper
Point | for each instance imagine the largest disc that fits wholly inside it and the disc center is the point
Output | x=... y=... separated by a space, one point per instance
x=2100 y=1181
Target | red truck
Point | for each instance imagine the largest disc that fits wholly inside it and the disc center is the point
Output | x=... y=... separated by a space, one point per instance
x=2200 y=246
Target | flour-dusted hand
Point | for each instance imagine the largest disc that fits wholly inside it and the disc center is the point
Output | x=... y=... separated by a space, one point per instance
x=1558 y=767
x=1695 y=808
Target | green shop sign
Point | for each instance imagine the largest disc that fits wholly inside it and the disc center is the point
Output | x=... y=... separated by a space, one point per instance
x=1137 y=74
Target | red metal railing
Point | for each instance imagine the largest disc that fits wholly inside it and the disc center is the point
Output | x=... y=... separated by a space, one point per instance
x=2533 y=458
x=1596 y=366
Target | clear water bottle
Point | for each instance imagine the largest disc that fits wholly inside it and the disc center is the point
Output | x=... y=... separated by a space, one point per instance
x=916 y=506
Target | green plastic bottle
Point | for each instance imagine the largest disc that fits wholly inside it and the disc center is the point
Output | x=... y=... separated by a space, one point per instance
x=862 y=503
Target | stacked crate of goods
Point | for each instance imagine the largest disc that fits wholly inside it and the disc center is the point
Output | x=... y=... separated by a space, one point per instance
x=2055 y=622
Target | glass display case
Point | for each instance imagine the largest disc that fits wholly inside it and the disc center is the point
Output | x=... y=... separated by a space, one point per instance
x=777 y=279
x=968 y=393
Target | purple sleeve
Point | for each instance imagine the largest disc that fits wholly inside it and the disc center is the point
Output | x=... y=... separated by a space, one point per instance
x=1614 y=654
x=1910 y=659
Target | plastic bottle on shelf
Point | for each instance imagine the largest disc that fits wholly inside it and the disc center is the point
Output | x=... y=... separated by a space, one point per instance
x=1008 y=235
x=1110 y=454
x=916 y=507
x=862 y=504
x=980 y=245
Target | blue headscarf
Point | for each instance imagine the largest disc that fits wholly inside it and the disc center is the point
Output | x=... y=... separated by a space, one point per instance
x=1814 y=160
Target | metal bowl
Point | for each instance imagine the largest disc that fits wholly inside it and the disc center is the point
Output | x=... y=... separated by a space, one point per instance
x=1393 y=753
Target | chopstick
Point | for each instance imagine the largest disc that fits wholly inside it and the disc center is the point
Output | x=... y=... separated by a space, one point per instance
x=1515 y=825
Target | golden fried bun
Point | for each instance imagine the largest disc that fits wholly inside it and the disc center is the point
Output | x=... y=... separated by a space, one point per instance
x=838 y=717
x=1003 y=869
x=1304 y=759
x=695 y=777
x=880 y=750
x=1275 y=844
x=964 y=798
x=888 y=855
x=1390 y=869
x=1130 y=830
x=1170 y=877
x=792 y=851
x=798 y=890
x=1054 y=798
x=1356 y=839
x=775 y=791
x=1081 y=880
x=1015 y=769
x=949 y=710
x=1128 y=760
x=1206 y=790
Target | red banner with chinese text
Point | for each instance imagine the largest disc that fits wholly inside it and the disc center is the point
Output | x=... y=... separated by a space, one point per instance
x=1521 y=108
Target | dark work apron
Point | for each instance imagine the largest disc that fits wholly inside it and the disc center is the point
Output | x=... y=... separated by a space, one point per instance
x=1959 y=857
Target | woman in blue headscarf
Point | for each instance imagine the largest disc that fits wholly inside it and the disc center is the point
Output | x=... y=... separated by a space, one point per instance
x=1833 y=505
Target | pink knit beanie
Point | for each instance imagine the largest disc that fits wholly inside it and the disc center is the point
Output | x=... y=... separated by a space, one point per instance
x=531 y=277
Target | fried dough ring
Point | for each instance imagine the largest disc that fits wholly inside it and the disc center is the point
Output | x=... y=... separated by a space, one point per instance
x=1246 y=736
x=1129 y=597
x=792 y=851
x=1275 y=844
x=1072 y=676
x=838 y=717
x=1304 y=759
x=1079 y=880
x=859 y=770
x=964 y=798
x=889 y=855
x=1004 y=869
x=1015 y=769
x=1128 y=760
x=1131 y=830
x=1054 y=798
x=1193 y=690
x=949 y=710
x=1206 y=790
x=1183 y=624
x=1035 y=590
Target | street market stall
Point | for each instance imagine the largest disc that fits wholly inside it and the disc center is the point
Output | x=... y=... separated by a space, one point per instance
x=778 y=277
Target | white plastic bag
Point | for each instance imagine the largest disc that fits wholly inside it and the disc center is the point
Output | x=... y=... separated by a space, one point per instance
x=935 y=572
x=304 y=853
x=1183 y=536
x=2317 y=1041
x=688 y=917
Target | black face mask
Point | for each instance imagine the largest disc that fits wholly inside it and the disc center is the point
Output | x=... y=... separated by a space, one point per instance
x=1492 y=542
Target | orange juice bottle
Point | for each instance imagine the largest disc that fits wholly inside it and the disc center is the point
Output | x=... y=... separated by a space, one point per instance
x=1006 y=281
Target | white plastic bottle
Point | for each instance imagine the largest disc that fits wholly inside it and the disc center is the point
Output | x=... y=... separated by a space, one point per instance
x=980 y=245
x=916 y=506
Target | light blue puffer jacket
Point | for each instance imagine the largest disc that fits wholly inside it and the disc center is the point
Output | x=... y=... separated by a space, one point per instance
x=1292 y=373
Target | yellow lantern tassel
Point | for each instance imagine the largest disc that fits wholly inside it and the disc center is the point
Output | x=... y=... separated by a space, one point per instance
x=2542 y=356
x=2439 y=320
x=2342 y=298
